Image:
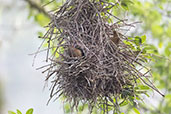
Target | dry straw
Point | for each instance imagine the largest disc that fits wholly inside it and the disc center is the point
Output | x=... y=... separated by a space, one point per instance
x=91 y=60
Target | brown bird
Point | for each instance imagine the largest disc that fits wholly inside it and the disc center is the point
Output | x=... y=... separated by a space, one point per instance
x=75 y=52
x=115 y=38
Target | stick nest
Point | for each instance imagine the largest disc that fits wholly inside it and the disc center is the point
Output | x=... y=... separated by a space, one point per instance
x=90 y=59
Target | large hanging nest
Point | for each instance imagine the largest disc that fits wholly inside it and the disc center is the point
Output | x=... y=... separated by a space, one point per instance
x=92 y=61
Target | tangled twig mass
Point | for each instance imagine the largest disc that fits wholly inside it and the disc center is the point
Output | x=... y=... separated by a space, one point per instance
x=91 y=60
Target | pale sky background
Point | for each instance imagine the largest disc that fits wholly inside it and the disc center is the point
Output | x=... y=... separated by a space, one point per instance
x=22 y=83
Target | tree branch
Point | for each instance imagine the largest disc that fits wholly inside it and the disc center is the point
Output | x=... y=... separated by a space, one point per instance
x=37 y=7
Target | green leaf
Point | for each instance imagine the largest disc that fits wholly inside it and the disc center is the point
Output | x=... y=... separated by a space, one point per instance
x=157 y=30
x=18 y=112
x=168 y=50
x=168 y=96
x=42 y=19
x=138 y=40
x=40 y=34
x=67 y=108
x=29 y=111
x=143 y=38
x=124 y=103
x=125 y=4
x=143 y=87
x=160 y=6
x=160 y=45
x=131 y=100
x=147 y=94
x=81 y=108
x=136 y=111
x=129 y=43
x=150 y=48
x=11 y=112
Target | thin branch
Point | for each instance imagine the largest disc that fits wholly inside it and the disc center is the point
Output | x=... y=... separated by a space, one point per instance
x=37 y=7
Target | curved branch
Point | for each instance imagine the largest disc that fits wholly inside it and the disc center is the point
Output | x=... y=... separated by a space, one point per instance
x=37 y=7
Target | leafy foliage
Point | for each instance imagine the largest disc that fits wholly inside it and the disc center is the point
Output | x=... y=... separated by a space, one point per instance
x=29 y=111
